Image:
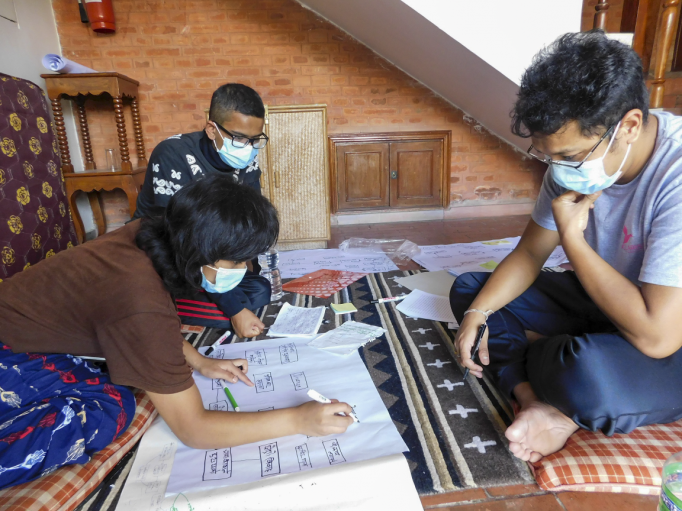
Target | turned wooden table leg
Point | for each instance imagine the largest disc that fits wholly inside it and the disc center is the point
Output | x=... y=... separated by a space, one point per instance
x=131 y=191
x=75 y=214
x=85 y=135
x=122 y=136
x=61 y=135
x=95 y=200
x=139 y=140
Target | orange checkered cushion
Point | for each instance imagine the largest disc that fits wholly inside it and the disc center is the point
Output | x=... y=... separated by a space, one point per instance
x=621 y=464
x=68 y=486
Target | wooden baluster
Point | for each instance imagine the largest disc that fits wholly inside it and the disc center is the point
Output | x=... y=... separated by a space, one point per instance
x=85 y=135
x=600 y=17
x=139 y=140
x=671 y=9
x=126 y=166
x=61 y=135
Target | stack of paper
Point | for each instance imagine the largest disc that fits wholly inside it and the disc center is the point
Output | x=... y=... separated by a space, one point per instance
x=297 y=322
x=347 y=338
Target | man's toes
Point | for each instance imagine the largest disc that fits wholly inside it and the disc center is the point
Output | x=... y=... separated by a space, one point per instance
x=515 y=433
x=516 y=448
x=535 y=456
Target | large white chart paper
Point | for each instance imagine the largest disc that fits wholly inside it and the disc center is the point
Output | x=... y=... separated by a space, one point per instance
x=460 y=258
x=381 y=483
x=283 y=370
x=296 y=263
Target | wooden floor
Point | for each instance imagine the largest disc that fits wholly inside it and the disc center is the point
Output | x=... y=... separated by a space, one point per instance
x=508 y=498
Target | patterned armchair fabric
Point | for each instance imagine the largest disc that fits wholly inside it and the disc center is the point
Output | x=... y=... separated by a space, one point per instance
x=35 y=221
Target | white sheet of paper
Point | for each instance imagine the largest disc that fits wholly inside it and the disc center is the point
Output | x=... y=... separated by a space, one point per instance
x=375 y=483
x=296 y=263
x=283 y=370
x=297 y=322
x=461 y=258
x=59 y=64
x=432 y=282
x=427 y=306
x=347 y=338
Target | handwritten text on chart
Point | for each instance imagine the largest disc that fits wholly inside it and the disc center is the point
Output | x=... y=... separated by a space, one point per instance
x=256 y=357
x=220 y=406
x=263 y=382
x=299 y=381
x=218 y=464
x=288 y=353
x=303 y=456
x=269 y=459
x=334 y=454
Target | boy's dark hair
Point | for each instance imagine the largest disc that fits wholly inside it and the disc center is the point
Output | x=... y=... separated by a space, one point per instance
x=585 y=77
x=235 y=97
x=207 y=220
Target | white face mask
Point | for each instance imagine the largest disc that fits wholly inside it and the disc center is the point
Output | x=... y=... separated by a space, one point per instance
x=225 y=279
x=591 y=177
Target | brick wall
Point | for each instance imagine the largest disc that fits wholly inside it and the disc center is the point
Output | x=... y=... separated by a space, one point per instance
x=181 y=51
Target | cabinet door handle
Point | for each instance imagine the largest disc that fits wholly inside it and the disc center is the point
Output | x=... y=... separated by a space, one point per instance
x=394 y=174
x=276 y=179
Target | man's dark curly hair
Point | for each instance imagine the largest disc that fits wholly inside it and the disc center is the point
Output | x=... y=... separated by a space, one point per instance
x=207 y=220
x=584 y=77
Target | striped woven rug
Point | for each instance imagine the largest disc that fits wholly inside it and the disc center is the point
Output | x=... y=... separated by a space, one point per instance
x=455 y=430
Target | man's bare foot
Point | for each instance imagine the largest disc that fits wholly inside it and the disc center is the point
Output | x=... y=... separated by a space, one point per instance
x=539 y=429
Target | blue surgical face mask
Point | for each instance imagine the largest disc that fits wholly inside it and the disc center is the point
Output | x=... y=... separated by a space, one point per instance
x=225 y=279
x=235 y=157
x=591 y=177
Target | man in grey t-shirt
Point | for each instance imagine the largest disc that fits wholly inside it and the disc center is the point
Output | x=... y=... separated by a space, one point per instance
x=597 y=347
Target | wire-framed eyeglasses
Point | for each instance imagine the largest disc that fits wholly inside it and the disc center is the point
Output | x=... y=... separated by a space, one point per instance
x=241 y=141
x=546 y=159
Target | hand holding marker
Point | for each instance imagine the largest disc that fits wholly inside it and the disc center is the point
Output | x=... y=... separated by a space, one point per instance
x=321 y=399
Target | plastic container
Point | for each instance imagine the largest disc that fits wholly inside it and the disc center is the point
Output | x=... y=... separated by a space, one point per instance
x=671 y=491
x=269 y=263
x=398 y=251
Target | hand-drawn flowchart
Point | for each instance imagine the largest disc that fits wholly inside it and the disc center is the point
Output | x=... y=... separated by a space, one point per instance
x=282 y=370
x=460 y=258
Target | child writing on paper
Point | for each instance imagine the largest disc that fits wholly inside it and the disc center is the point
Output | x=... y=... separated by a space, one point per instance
x=112 y=298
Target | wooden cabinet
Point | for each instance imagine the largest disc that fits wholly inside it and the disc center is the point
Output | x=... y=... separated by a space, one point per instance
x=390 y=170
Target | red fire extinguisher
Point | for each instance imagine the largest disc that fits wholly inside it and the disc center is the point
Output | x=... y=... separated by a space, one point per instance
x=101 y=16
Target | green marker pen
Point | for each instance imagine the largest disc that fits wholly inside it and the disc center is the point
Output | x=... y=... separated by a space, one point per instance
x=231 y=398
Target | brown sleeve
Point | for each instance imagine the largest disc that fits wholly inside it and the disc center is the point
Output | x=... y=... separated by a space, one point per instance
x=145 y=351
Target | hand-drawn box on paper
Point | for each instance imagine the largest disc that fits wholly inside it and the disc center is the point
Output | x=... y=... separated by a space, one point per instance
x=218 y=464
x=334 y=454
x=264 y=382
x=269 y=459
x=288 y=353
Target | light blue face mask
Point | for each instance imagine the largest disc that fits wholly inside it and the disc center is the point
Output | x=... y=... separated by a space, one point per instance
x=225 y=279
x=591 y=177
x=235 y=157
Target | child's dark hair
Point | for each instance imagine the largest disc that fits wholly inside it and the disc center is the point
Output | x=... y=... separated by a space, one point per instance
x=207 y=220
x=235 y=97
x=584 y=77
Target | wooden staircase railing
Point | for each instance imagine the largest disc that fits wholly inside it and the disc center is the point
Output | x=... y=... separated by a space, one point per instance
x=636 y=13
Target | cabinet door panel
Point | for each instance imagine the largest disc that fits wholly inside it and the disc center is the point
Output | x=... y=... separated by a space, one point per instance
x=362 y=171
x=416 y=177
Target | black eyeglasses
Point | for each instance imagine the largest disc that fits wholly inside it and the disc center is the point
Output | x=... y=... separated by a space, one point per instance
x=546 y=159
x=241 y=141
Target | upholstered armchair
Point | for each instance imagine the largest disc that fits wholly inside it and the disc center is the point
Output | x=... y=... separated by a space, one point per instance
x=35 y=221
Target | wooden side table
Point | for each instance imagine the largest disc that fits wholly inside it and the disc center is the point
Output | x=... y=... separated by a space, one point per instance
x=77 y=87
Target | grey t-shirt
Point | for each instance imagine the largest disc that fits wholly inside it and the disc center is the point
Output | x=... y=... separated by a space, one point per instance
x=637 y=227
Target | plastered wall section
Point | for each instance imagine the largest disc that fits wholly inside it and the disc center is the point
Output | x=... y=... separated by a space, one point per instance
x=181 y=51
